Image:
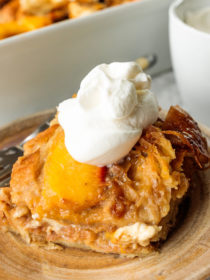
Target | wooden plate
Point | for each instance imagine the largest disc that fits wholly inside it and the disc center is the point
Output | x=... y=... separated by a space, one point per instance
x=185 y=254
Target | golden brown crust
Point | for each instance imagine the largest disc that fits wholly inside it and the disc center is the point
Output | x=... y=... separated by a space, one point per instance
x=25 y=186
x=186 y=132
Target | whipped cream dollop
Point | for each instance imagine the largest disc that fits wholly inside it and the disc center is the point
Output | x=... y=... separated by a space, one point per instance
x=106 y=119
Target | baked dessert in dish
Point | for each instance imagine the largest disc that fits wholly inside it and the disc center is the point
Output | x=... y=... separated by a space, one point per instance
x=19 y=16
x=87 y=183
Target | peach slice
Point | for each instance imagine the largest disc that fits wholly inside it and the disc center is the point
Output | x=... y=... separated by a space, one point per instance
x=68 y=182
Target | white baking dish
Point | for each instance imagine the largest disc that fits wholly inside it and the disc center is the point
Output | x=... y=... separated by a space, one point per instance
x=40 y=68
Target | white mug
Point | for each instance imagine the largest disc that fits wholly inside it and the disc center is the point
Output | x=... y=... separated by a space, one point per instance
x=190 y=52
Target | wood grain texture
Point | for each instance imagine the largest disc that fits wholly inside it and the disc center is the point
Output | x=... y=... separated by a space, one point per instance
x=185 y=254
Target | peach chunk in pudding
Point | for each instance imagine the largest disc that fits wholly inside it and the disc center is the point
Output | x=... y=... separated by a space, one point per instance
x=66 y=180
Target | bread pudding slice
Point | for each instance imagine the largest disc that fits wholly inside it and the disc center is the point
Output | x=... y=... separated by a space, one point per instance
x=124 y=208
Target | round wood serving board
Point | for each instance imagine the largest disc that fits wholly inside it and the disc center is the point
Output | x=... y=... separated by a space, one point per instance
x=185 y=254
